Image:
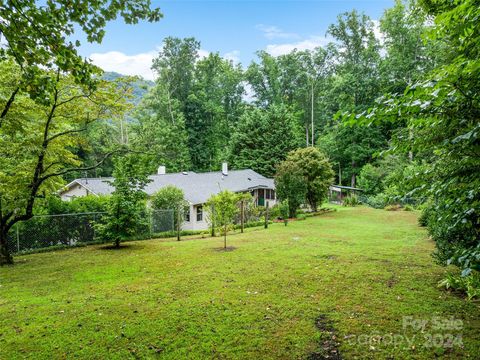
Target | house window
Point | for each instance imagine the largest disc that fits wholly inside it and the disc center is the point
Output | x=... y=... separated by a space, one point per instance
x=187 y=215
x=199 y=213
x=270 y=194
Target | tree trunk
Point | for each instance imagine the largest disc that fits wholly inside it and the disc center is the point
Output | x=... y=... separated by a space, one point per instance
x=339 y=174
x=307 y=136
x=225 y=237
x=5 y=257
x=353 y=174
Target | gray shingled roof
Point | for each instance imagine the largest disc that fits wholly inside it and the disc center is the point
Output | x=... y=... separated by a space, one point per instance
x=197 y=187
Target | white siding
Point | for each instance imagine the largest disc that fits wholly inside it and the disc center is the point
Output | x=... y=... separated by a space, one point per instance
x=193 y=224
x=74 y=191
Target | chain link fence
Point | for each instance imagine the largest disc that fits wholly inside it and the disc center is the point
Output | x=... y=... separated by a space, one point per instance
x=162 y=221
x=63 y=230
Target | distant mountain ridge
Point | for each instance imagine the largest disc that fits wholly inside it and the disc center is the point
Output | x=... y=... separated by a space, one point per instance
x=140 y=87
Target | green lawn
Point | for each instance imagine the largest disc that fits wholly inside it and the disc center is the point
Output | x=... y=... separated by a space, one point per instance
x=357 y=271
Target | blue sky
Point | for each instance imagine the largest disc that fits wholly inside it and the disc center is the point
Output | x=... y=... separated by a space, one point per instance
x=235 y=29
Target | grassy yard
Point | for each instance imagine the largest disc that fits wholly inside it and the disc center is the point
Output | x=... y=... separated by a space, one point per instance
x=342 y=282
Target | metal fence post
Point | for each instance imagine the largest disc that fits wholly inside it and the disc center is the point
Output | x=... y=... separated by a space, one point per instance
x=266 y=216
x=242 y=214
x=150 y=222
x=18 y=239
x=178 y=222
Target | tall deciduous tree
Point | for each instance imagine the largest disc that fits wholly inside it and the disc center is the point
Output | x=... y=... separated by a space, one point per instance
x=158 y=131
x=175 y=66
x=295 y=79
x=408 y=56
x=213 y=109
x=39 y=35
x=38 y=142
x=354 y=86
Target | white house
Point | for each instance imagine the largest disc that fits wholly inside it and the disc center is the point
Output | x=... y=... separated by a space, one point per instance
x=197 y=187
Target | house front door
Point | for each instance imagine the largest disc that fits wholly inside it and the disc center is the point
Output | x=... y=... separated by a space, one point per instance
x=261 y=197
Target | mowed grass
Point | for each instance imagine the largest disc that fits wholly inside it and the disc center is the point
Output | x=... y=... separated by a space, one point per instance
x=359 y=268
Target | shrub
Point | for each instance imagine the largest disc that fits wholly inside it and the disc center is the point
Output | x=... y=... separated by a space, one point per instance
x=470 y=284
x=370 y=179
x=274 y=212
x=395 y=207
x=378 y=201
x=351 y=200
x=301 y=216
x=290 y=185
x=171 y=198
x=315 y=170
x=408 y=208
x=284 y=211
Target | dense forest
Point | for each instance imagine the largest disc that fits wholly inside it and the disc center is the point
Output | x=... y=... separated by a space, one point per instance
x=202 y=111
x=394 y=106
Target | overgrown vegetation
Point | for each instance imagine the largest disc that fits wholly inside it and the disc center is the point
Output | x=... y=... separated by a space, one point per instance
x=441 y=111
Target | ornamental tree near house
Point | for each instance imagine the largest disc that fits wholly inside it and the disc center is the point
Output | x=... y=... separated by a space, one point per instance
x=127 y=204
x=221 y=211
x=290 y=186
x=316 y=171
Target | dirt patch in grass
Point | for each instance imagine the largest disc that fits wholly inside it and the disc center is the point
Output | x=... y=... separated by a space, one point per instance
x=392 y=281
x=325 y=256
x=223 y=249
x=328 y=345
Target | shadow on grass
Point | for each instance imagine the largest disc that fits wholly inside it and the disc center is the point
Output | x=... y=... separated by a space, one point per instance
x=122 y=247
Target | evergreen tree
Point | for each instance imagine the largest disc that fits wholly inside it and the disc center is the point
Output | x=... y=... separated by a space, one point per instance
x=263 y=139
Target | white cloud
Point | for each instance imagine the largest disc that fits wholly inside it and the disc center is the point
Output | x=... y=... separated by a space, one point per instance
x=203 y=53
x=377 y=32
x=273 y=32
x=138 y=64
x=233 y=56
x=307 y=44
x=249 y=94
